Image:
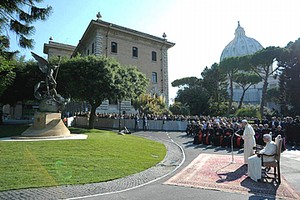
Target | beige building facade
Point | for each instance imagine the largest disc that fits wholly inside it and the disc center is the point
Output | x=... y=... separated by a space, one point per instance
x=129 y=47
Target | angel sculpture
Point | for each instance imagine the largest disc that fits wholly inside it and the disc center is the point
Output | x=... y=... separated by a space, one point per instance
x=50 y=100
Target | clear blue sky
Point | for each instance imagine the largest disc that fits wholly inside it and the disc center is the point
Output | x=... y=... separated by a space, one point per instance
x=200 y=28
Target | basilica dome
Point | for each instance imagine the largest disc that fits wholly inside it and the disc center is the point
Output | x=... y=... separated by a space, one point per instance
x=241 y=45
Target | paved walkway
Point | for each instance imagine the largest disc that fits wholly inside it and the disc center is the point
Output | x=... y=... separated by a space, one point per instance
x=149 y=185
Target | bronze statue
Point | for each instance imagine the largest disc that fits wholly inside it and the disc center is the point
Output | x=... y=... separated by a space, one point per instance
x=50 y=100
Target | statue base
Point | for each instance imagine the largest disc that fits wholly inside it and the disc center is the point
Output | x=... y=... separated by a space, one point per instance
x=50 y=105
x=47 y=124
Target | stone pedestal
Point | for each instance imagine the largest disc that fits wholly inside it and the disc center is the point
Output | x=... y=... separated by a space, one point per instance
x=47 y=124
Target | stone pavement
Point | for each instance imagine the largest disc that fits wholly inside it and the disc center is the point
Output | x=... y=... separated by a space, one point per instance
x=148 y=185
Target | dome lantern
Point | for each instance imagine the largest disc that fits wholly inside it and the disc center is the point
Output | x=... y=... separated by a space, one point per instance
x=239 y=31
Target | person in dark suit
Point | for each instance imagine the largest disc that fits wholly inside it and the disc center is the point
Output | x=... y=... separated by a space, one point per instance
x=136 y=122
x=145 y=123
x=199 y=136
x=281 y=132
x=228 y=132
x=239 y=142
x=217 y=135
x=207 y=134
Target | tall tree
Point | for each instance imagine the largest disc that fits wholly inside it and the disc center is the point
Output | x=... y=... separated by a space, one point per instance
x=151 y=104
x=27 y=74
x=290 y=78
x=177 y=108
x=245 y=80
x=215 y=83
x=7 y=74
x=293 y=74
x=283 y=97
x=273 y=95
x=186 y=82
x=95 y=79
x=17 y=16
x=192 y=94
x=130 y=83
x=263 y=64
x=230 y=67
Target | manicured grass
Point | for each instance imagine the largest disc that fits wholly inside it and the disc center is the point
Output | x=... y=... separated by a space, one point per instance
x=104 y=156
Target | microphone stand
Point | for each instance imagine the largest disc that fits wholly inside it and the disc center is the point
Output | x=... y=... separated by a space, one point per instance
x=232 y=158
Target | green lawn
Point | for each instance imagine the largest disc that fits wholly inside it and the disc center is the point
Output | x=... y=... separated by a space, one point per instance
x=104 y=156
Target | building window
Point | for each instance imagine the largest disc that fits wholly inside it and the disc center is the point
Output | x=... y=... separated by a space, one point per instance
x=154 y=77
x=114 y=47
x=135 y=52
x=153 y=55
x=88 y=52
x=93 y=48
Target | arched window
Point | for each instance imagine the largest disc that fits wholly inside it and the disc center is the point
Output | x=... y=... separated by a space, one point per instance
x=154 y=77
x=154 y=56
x=114 y=47
x=135 y=52
x=93 y=48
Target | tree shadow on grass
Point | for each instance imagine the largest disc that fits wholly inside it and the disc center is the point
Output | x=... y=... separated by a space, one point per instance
x=78 y=130
x=12 y=130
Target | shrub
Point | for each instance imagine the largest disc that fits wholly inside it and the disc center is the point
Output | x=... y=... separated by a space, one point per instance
x=179 y=109
x=247 y=112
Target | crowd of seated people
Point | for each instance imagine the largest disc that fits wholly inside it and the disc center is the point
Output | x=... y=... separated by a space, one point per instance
x=288 y=127
x=138 y=115
x=215 y=133
x=218 y=131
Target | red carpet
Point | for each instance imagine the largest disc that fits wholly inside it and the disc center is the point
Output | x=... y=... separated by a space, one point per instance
x=213 y=171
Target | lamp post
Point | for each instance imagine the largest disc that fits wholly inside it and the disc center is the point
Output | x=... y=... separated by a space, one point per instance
x=119 y=102
x=232 y=157
x=124 y=119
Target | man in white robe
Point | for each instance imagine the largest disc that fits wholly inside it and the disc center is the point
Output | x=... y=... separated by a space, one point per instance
x=254 y=162
x=249 y=140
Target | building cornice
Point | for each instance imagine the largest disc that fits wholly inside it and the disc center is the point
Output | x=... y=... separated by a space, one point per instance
x=100 y=23
x=57 y=45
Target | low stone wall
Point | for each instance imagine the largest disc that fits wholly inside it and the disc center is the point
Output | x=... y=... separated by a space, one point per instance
x=154 y=125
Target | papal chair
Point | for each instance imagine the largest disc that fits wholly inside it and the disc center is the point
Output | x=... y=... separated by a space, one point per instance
x=276 y=163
